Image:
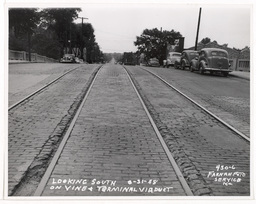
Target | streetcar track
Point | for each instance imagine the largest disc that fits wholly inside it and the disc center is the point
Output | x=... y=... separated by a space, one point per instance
x=200 y=106
x=166 y=149
x=41 y=187
x=40 y=89
x=47 y=174
x=35 y=171
x=172 y=158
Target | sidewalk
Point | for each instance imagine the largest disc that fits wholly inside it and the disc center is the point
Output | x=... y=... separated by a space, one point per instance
x=17 y=61
x=244 y=75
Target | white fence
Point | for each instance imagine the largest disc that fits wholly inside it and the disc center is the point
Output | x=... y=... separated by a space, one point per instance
x=23 y=56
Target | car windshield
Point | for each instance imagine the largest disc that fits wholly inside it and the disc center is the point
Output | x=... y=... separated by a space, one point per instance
x=193 y=54
x=219 y=53
x=176 y=55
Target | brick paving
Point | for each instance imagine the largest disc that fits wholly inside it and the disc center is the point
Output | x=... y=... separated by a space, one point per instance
x=228 y=98
x=24 y=79
x=32 y=123
x=113 y=150
x=198 y=142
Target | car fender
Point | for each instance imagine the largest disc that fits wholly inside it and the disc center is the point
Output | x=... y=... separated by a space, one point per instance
x=185 y=62
x=194 y=64
x=168 y=61
x=203 y=64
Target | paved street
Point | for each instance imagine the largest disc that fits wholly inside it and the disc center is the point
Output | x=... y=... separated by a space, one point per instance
x=228 y=98
x=31 y=126
x=24 y=79
x=196 y=137
x=113 y=149
x=113 y=140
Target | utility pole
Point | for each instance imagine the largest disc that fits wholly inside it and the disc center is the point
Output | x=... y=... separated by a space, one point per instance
x=29 y=46
x=70 y=48
x=198 y=25
x=82 y=42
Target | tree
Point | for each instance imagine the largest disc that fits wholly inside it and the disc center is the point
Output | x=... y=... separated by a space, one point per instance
x=205 y=40
x=24 y=21
x=153 y=43
x=60 y=21
x=46 y=43
x=107 y=57
x=49 y=31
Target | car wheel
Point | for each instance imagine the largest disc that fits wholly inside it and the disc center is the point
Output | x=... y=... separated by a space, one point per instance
x=191 y=68
x=183 y=65
x=176 y=65
x=201 y=71
x=225 y=74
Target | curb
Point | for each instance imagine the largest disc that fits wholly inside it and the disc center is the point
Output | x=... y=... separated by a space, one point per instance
x=239 y=76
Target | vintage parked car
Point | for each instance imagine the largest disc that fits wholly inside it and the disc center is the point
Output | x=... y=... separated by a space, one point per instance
x=172 y=57
x=68 y=58
x=153 y=62
x=185 y=60
x=213 y=60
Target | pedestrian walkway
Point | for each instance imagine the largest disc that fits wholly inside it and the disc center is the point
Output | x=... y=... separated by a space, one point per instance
x=113 y=150
x=244 y=75
x=18 y=61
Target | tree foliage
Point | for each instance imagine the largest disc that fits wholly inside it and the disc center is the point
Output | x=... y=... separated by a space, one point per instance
x=153 y=42
x=52 y=30
x=205 y=40
x=23 y=21
x=59 y=20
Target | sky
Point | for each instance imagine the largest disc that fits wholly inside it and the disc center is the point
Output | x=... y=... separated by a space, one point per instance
x=117 y=25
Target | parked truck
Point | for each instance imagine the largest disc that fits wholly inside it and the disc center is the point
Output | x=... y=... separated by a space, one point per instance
x=129 y=58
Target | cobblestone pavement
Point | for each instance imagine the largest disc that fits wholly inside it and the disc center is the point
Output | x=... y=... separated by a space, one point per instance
x=228 y=98
x=208 y=154
x=113 y=150
x=36 y=125
x=24 y=79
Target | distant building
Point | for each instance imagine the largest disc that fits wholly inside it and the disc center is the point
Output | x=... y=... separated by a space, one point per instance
x=239 y=59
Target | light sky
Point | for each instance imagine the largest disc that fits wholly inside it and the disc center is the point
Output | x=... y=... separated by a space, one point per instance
x=117 y=25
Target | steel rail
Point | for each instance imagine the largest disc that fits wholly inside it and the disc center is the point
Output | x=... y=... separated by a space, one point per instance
x=40 y=89
x=200 y=106
x=55 y=158
x=166 y=149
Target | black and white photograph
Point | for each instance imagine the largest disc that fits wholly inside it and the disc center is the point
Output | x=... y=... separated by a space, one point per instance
x=123 y=101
